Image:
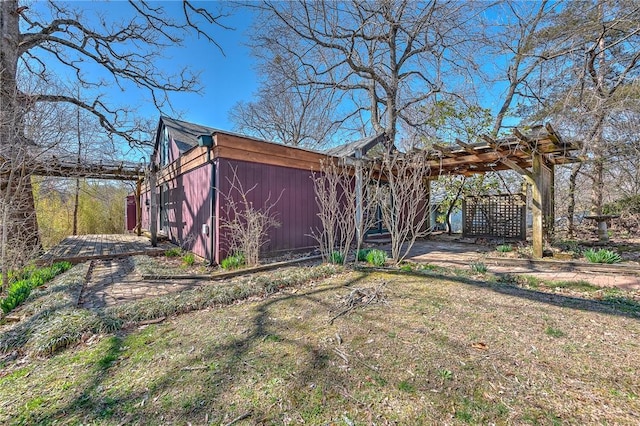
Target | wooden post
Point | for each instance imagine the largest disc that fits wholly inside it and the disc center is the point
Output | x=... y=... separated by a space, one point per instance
x=139 y=207
x=153 y=219
x=550 y=214
x=428 y=203
x=536 y=206
x=543 y=203
x=359 y=199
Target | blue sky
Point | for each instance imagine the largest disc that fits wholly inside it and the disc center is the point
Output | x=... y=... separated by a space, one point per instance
x=226 y=76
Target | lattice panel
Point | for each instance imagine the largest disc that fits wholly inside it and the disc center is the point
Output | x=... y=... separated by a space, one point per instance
x=495 y=216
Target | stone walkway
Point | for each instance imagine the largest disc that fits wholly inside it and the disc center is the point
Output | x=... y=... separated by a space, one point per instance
x=114 y=281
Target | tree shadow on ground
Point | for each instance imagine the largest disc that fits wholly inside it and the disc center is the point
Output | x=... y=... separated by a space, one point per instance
x=232 y=360
x=618 y=306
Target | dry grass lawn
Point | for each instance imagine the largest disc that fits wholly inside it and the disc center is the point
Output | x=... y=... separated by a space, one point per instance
x=432 y=351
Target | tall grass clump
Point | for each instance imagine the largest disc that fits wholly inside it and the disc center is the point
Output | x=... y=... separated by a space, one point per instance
x=234 y=261
x=29 y=279
x=362 y=255
x=602 y=256
x=377 y=257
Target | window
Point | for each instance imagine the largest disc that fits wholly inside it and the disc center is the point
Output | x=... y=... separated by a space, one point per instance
x=163 y=149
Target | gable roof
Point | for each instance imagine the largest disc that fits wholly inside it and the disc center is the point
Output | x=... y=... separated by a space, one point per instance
x=362 y=145
x=185 y=134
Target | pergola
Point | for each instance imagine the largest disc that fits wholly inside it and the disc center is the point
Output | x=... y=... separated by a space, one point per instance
x=533 y=153
x=52 y=166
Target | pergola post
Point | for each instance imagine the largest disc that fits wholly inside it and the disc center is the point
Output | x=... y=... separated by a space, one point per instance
x=153 y=219
x=359 y=198
x=427 y=197
x=139 y=207
x=536 y=206
x=542 y=189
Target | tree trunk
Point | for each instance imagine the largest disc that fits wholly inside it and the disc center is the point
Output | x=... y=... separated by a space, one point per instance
x=75 y=207
x=453 y=204
x=571 y=209
x=16 y=191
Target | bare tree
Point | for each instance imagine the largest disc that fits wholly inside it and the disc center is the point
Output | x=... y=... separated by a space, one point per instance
x=403 y=199
x=247 y=225
x=388 y=57
x=285 y=110
x=101 y=54
x=334 y=186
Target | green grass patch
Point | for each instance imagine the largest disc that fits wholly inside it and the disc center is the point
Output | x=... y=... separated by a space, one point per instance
x=478 y=268
x=173 y=252
x=580 y=285
x=554 y=332
x=406 y=386
x=337 y=258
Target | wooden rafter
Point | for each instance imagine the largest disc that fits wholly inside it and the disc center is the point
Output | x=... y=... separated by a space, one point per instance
x=56 y=167
x=513 y=152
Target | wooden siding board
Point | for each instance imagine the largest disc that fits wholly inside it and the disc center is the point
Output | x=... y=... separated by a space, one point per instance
x=296 y=210
x=189 y=209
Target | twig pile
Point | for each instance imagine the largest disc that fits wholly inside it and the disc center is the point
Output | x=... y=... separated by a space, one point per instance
x=360 y=297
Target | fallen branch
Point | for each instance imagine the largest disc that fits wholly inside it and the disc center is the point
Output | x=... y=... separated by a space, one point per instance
x=360 y=297
x=239 y=418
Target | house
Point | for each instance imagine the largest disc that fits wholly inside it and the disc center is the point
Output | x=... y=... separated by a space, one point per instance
x=196 y=165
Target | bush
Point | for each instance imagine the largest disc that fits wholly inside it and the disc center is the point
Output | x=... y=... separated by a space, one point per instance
x=234 y=261
x=478 y=267
x=19 y=290
x=377 y=257
x=601 y=256
x=504 y=248
x=362 y=255
x=625 y=205
x=173 y=252
x=189 y=259
x=337 y=258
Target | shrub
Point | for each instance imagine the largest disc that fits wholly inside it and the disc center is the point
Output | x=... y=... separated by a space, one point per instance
x=504 y=248
x=189 y=259
x=625 y=205
x=362 y=255
x=377 y=257
x=478 y=267
x=406 y=267
x=234 y=261
x=601 y=256
x=337 y=258
x=173 y=252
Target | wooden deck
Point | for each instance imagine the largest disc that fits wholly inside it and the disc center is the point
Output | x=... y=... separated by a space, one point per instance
x=80 y=248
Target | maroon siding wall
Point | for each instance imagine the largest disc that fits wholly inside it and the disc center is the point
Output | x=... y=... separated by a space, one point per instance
x=189 y=208
x=130 y=213
x=296 y=210
x=174 y=152
x=145 y=203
